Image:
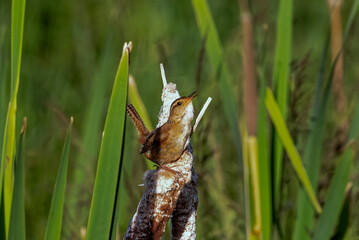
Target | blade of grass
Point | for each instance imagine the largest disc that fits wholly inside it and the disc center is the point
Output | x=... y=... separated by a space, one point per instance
x=253 y=166
x=345 y=215
x=17 y=218
x=54 y=222
x=8 y=150
x=6 y=163
x=3 y=83
x=335 y=197
x=280 y=80
x=17 y=29
x=306 y=221
x=313 y=151
x=116 y=214
x=264 y=168
x=353 y=12
x=263 y=159
x=336 y=192
x=215 y=54
x=264 y=165
x=248 y=206
x=126 y=193
x=103 y=199
x=289 y=146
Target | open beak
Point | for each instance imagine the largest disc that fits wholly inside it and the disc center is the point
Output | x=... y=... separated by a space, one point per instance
x=191 y=96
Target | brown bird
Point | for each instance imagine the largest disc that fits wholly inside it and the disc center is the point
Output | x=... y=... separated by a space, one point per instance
x=166 y=143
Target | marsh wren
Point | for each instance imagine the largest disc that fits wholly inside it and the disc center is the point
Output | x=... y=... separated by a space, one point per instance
x=166 y=144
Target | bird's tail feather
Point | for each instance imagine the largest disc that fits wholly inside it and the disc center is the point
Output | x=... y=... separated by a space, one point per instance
x=137 y=121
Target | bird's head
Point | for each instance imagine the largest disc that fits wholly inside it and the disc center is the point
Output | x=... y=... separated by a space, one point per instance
x=182 y=109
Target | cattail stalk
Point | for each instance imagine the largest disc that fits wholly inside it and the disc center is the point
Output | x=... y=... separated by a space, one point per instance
x=338 y=77
x=336 y=45
x=170 y=193
x=250 y=113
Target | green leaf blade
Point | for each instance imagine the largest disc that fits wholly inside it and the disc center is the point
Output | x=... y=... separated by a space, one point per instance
x=116 y=214
x=289 y=146
x=103 y=200
x=17 y=29
x=313 y=152
x=336 y=193
x=215 y=54
x=264 y=163
x=8 y=149
x=17 y=218
x=335 y=197
x=54 y=223
x=280 y=79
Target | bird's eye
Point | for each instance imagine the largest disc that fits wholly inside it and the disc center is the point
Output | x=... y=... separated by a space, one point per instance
x=179 y=104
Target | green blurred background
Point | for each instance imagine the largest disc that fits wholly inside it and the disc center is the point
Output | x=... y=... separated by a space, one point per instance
x=71 y=50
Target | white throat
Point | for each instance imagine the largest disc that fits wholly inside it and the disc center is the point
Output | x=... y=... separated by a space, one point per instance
x=187 y=118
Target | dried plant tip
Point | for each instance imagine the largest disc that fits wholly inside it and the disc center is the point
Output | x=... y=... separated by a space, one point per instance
x=24 y=124
x=200 y=115
x=127 y=46
x=131 y=81
x=348 y=188
x=163 y=75
x=124 y=47
x=83 y=232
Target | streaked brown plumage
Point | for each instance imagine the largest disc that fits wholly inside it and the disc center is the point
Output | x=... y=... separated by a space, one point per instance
x=166 y=143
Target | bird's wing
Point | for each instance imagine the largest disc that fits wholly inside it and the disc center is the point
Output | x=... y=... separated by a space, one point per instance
x=154 y=139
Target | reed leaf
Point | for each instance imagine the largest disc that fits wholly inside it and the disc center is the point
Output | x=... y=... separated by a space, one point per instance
x=3 y=84
x=248 y=206
x=313 y=151
x=353 y=12
x=54 y=222
x=336 y=193
x=8 y=148
x=344 y=221
x=17 y=219
x=264 y=166
x=104 y=193
x=289 y=146
x=280 y=80
x=215 y=54
x=253 y=167
x=116 y=214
